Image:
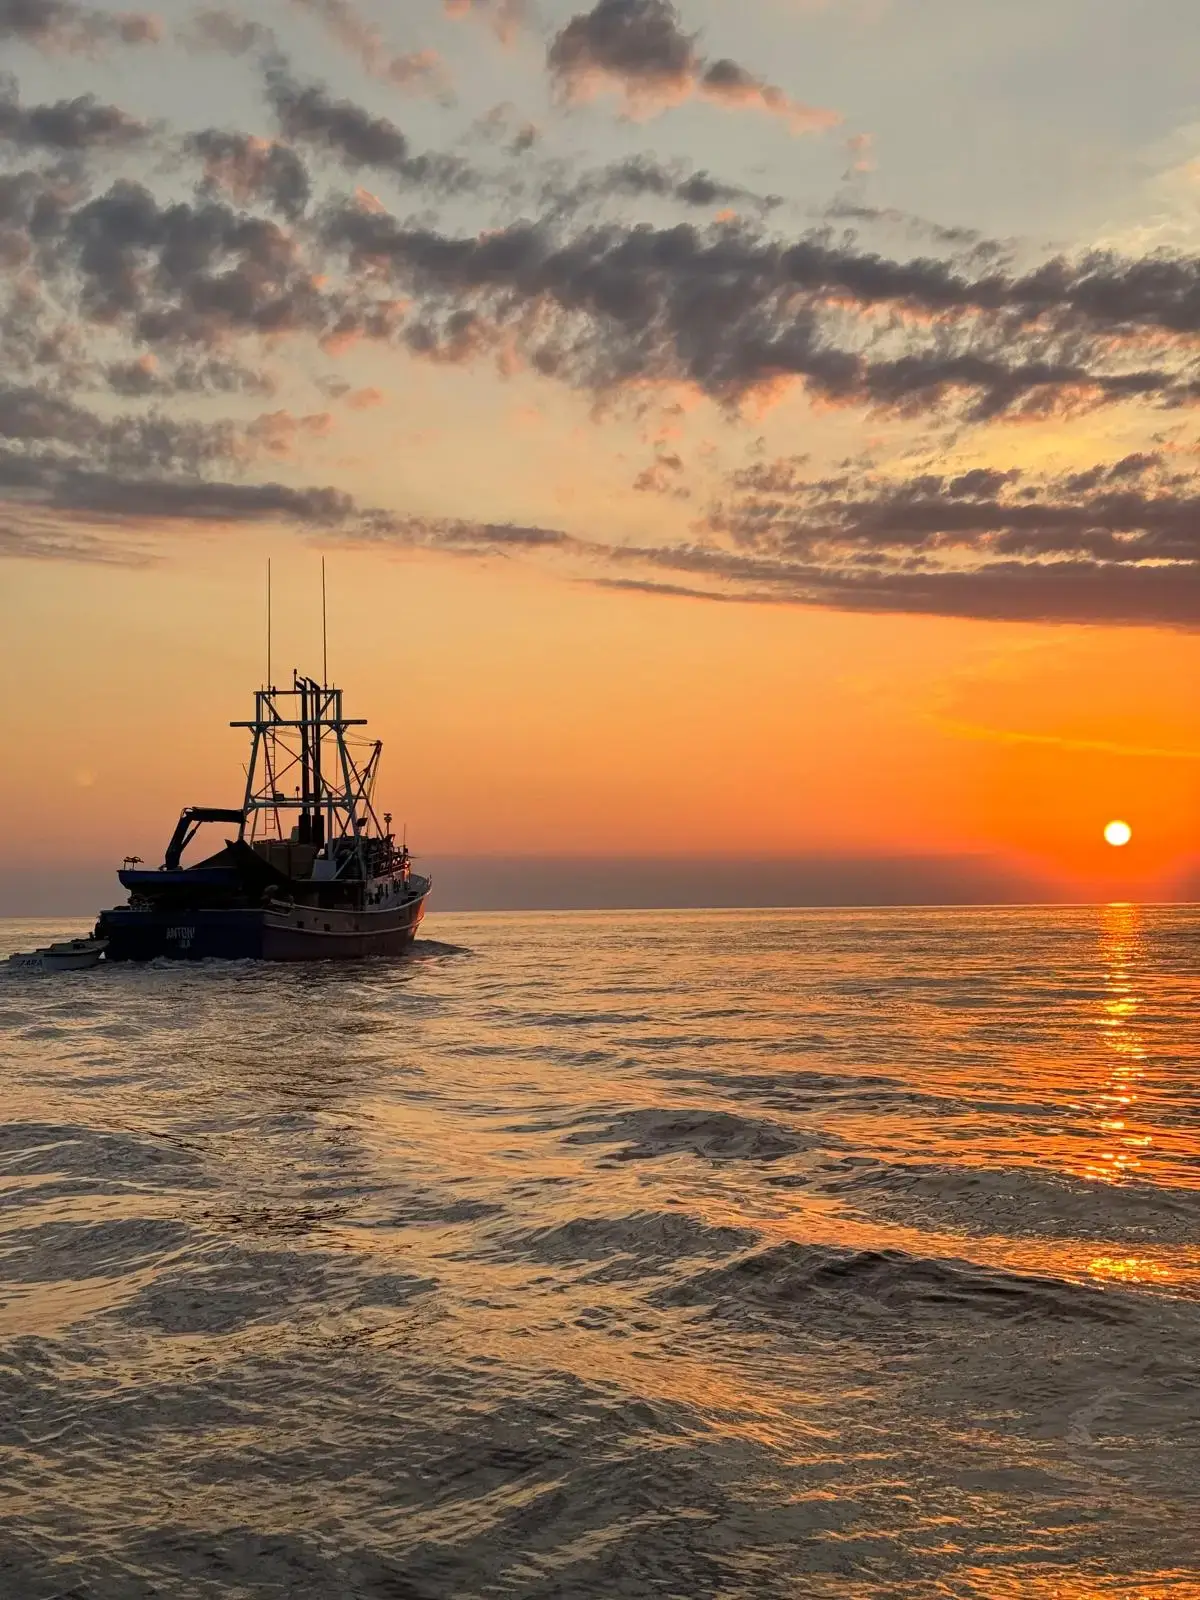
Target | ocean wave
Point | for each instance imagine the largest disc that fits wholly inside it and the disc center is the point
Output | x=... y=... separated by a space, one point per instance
x=104 y=1158
x=58 y=1252
x=639 y=1243
x=1018 y=1202
x=651 y=1132
x=823 y=1281
x=226 y=1289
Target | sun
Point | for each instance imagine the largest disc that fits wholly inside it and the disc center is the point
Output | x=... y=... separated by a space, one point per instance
x=1118 y=833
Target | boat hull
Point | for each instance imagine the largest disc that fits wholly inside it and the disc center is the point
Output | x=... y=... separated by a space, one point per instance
x=36 y=962
x=72 y=955
x=276 y=932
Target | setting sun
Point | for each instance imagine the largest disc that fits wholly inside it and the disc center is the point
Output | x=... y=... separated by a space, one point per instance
x=1118 y=833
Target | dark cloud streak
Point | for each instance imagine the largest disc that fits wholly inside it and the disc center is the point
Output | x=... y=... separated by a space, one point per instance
x=730 y=311
x=310 y=116
x=62 y=25
x=68 y=126
x=640 y=48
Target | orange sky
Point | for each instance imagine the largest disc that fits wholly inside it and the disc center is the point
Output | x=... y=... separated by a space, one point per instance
x=525 y=713
x=500 y=337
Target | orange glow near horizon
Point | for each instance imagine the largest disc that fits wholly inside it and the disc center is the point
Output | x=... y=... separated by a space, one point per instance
x=525 y=714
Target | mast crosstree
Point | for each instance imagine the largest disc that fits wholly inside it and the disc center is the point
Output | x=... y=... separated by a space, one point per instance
x=301 y=762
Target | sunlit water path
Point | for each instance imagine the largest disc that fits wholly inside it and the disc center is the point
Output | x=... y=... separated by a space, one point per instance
x=772 y=1254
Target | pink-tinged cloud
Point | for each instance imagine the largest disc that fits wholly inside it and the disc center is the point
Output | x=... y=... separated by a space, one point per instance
x=252 y=169
x=860 y=147
x=278 y=434
x=364 y=399
x=638 y=49
x=504 y=17
x=663 y=476
x=63 y=25
x=420 y=71
x=731 y=85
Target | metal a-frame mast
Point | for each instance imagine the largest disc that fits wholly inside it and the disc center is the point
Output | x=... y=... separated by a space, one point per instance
x=293 y=731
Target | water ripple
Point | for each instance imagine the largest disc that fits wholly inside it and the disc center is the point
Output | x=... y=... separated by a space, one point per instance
x=703 y=1254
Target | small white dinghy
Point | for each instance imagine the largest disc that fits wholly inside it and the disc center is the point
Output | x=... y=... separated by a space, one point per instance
x=70 y=955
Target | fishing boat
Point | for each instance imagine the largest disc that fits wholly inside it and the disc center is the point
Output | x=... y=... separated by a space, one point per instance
x=309 y=872
x=68 y=955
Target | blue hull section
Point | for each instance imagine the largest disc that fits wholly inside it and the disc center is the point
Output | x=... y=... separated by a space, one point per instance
x=233 y=935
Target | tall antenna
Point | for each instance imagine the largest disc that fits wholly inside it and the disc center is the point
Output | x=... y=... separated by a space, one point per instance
x=268 y=622
x=324 y=633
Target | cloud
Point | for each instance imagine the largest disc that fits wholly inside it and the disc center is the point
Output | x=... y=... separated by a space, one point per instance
x=1119 y=543
x=29 y=537
x=180 y=275
x=503 y=124
x=682 y=591
x=639 y=176
x=69 y=473
x=663 y=476
x=221 y=30
x=860 y=151
x=253 y=169
x=732 y=85
x=146 y=377
x=1077 y=591
x=61 y=25
x=735 y=314
x=134 y=313
x=307 y=114
x=137 y=507
x=58 y=459
x=364 y=399
x=506 y=18
x=279 y=434
x=421 y=71
x=953 y=238
x=69 y=126
x=983 y=544
x=639 y=49
x=94 y=495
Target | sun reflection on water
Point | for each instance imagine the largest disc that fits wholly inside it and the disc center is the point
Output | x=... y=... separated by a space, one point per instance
x=1122 y=1137
x=1130 y=1269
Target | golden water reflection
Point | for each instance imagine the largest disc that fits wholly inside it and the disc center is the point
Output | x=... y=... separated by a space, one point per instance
x=704 y=1255
x=1115 y=1104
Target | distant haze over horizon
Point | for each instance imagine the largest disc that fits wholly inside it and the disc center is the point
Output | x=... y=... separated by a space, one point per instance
x=533 y=883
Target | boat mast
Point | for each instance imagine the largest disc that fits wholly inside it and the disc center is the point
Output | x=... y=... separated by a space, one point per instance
x=268 y=682
x=290 y=727
x=305 y=760
x=317 y=826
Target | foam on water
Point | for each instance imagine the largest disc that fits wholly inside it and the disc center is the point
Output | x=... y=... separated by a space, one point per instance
x=784 y=1254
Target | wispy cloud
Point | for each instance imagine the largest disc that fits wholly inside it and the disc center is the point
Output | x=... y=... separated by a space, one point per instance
x=506 y=18
x=422 y=71
x=638 y=49
x=62 y=25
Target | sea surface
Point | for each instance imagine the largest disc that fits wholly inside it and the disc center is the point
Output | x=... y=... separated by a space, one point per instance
x=805 y=1254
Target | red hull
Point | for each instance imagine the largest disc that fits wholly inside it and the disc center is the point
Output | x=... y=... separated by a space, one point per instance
x=314 y=933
